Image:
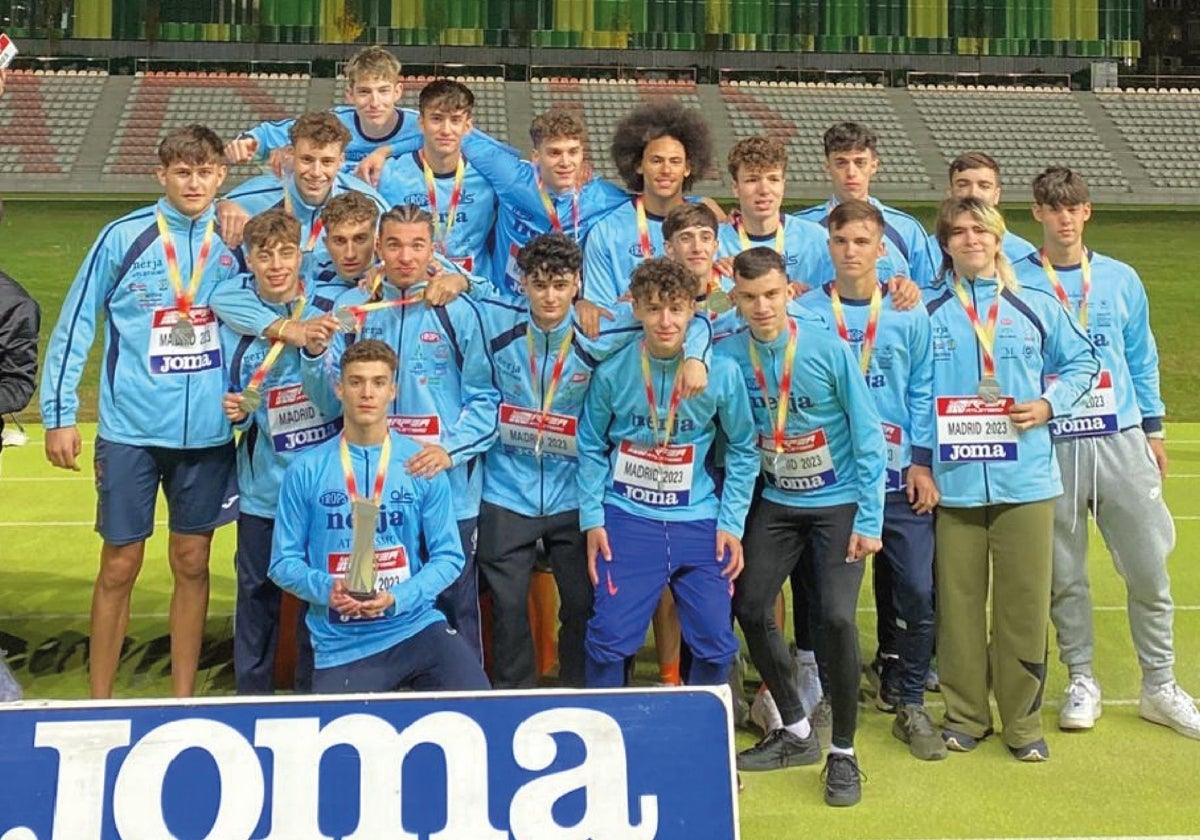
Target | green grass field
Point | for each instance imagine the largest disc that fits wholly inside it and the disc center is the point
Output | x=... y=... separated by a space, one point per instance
x=1126 y=778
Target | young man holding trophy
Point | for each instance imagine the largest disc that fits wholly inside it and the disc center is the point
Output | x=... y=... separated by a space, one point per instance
x=349 y=527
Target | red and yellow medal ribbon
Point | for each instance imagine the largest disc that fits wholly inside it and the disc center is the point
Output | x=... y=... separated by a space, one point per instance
x=381 y=471
x=839 y=316
x=643 y=226
x=552 y=211
x=277 y=345
x=314 y=233
x=1085 y=269
x=779 y=426
x=652 y=401
x=985 y=335
x=739 y=224
x=442 y=236
x=184 y=296
x=555 y=376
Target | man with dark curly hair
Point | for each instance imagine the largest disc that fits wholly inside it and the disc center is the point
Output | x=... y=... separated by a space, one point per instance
x=659 y=149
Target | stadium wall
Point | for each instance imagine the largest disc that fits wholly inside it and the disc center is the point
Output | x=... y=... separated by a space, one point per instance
x=1043 y=28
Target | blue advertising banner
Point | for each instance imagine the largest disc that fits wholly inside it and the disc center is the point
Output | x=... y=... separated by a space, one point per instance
x=548 y=765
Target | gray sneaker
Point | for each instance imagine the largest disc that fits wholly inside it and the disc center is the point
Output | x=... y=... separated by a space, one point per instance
x=843 y=780
x=780 y=749
x=914 y=727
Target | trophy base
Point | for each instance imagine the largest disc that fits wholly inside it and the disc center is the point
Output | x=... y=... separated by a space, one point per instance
x=363 y=596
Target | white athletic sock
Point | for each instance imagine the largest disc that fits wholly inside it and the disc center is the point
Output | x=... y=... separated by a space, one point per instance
x=834 y=748
x=801 y=729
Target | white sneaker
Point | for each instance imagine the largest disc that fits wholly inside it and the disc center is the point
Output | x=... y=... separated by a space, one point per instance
x=1081 y=704
x=764 y=713
x=1171 y=706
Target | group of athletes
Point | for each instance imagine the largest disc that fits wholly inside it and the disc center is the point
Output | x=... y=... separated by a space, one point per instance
x=480 y=365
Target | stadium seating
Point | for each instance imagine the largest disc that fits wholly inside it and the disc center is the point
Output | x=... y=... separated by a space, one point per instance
x=798 y=113
x=602 y=102
x=1163 y=129
x=491 y=111
x=43 y=120
x=1025 y=129
x=226 y=102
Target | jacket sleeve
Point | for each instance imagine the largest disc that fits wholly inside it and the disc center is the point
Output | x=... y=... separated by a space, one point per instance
x=920 y=390
x=502 y=166
x=592 y=445
x=866 y=436
x=290 y=567
x=318 y=373
x=445 y=559
x=71 y=341
x=477 y=425
x=240 y=308
x=599 y=271
x=1068 y=351
x=270 y=135
x=1141 y=354
x=18 y=354
x=742 y=461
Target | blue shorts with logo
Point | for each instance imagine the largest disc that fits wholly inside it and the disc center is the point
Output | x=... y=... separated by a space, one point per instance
x=648 y=554
x=200 y=486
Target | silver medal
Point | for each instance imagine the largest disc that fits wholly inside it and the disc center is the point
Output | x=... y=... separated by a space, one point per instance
x=251 y=400
x=347 y=320
x=989 y=390
x=182 y=331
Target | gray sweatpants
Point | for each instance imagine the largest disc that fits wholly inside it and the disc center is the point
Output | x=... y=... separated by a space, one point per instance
x=1116 y=477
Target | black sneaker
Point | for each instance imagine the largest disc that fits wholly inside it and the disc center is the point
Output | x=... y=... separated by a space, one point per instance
x=913 y=727
x=887 y=698
x=780 y=749
x=843 y=780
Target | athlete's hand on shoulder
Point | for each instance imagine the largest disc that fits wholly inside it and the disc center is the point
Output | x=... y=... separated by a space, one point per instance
x=905 y=293
x=861 y=546
x=241 y=149
x=231 y=219
x=280 y=161
x=729 y=552
x=597 y=546
x=693 y=378
x=430 y=461
x=588 y=315
x=231 y=404
x=1029 y=415
x=371 y=167
x=1158 y=448
x=63 y=446
x=444 y=287
x=724 y=266
x=921 y=489
x=797 y=289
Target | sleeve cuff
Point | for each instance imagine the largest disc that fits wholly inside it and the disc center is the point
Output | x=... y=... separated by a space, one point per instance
x=922 y=456
x=589 y=519
x=1152 y=425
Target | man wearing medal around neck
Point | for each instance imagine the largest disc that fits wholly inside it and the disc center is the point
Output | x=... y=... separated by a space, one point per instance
x=151 y=273
x=392 y=637
x=446 y=396
x=647 y=497
x=894 y=354
x=544 y=363
x=820 y=449
x=998 y=479
x=318 y=151
x=1113 y=458
x=441 y=179
x=277 y=422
